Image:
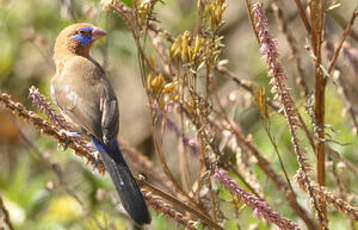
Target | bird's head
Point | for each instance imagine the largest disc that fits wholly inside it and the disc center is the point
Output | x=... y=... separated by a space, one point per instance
x=77 y=39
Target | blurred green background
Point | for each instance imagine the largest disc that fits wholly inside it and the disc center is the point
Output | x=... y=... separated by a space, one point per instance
x=33 y=193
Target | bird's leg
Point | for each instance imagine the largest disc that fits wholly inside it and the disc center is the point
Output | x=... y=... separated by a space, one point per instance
x=94 y=153
x=68 y=134
x=97 y=157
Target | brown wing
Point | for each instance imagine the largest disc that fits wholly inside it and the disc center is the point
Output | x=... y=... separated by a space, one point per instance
x=85 y=95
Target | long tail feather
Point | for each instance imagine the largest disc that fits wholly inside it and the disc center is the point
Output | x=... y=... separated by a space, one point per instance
x=126 y=186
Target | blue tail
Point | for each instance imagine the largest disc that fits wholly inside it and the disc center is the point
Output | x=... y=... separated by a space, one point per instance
x=126 y=186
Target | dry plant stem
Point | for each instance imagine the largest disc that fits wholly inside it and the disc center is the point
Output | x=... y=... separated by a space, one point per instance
x=4 y=214
x=183 y=161
x=170 y=124
x=48 y=129
x=279 y=182
x=161 y=31
x=322 y=19
x=200 y=170
x=248 y=9
x=202 y=166
x=346 y=32
x=280 y=15
x=282 y=186
x=274 y=144
x=260 y=207
x=295 y=53
x=205 y=219
x=269 y=50
x=160 y=49
x=170 y=175
x=242 y=179
x=307 y=132
x=160 y=205
x=303 y=15
x=330 y=198
x=342 y=23
x=317 y=11
x=252 y=178
x=213 y=202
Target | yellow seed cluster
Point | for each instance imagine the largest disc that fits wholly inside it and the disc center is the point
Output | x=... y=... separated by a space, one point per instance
x=144 y=9
x=214 y=12
x=158 y=86
x=195 y=50
x=187 y=51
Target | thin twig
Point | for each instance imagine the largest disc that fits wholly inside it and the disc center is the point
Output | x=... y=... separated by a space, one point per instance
x=170 y=175
x=301 y=78
x=303 y=15
x=342 y=23
x=205 y=219
x=260 y=208
x=346 y=32
x=159 y=204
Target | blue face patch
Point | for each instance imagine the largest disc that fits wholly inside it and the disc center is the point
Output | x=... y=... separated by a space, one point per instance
x=84 y=39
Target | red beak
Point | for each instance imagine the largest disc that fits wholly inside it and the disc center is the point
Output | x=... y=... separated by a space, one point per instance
x=97 y=33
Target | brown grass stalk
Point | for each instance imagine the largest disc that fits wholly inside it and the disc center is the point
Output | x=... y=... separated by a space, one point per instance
x=260 y=207
x=292 y=42
x=341 y=21
x=168 y=173
x=160 y=205
x=319 y=191
x=269 y=50
x=346 y=32
x=266 y=166
x=203 y=218
x=303 y=15
x=317 y=26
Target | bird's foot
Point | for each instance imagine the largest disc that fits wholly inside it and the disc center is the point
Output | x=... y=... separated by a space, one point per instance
x=68 y=134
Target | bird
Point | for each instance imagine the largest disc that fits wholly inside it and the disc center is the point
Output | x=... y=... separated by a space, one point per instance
x=84 y=94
